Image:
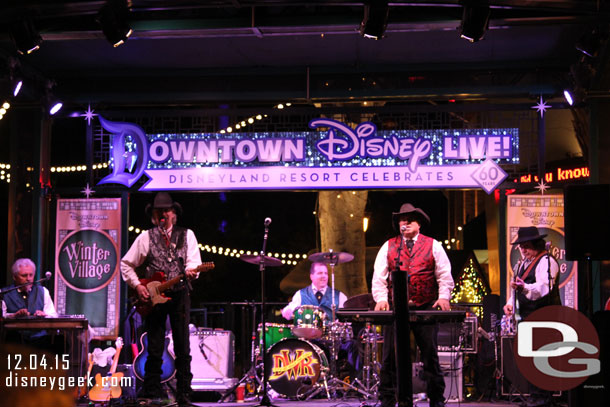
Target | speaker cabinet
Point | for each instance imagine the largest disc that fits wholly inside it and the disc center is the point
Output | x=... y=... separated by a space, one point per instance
x=452 y=368
x=212 y=353
x=587 y=221
x=513 y=382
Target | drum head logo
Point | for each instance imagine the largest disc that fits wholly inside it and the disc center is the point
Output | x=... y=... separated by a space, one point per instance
x=293 y=365
x=87 y=260
x=557 y=348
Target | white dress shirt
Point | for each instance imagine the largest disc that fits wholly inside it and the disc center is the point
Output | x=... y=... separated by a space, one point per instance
x=139 y=250
x=442 y=272
x=540 y=287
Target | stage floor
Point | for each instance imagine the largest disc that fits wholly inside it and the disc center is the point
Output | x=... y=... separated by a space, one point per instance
x=349 y=402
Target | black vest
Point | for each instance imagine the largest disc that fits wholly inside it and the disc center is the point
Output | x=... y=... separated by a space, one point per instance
x=169 y=259
x=526 y=306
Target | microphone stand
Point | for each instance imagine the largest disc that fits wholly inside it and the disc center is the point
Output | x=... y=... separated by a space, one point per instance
x=402 y=332
x=265 y=401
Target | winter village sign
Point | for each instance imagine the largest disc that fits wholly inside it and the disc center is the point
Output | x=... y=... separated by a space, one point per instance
x=339 y=157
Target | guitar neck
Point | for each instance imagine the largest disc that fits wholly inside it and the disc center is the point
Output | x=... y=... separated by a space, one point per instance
x=115 y=360
x=169 y=283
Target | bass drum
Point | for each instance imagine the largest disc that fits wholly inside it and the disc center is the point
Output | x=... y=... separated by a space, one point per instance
x=293 y=366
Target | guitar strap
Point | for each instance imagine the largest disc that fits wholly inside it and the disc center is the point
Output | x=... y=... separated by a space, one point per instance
x=531 y=265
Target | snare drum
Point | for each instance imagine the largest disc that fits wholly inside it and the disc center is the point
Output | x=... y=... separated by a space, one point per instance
x=309 y=322
x=274 y=333
x=293 y=366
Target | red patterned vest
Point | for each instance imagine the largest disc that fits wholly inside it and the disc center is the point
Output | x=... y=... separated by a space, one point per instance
x=420 y=265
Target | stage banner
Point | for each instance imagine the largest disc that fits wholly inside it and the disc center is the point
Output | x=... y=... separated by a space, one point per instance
x=546 y=213
x=87 y=255
x=332 y=155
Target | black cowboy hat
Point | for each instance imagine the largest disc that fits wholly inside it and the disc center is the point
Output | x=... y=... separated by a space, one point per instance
x=527 y=233
x=163 y=200
x=407 y=208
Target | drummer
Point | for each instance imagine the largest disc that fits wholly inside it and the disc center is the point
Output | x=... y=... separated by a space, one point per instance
x=317 y=294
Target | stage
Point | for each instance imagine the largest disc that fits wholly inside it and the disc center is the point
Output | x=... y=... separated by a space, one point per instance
x=347 y=402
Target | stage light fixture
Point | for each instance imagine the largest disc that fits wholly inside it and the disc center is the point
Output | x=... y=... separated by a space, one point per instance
x=475 y=21
x=112 y=17
x=568 y=95
x=55 y=106
x=17 y=85
x=25 y=35
x=375 y=19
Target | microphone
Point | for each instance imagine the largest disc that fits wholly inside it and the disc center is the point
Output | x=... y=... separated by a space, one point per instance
x=48 y=275
x=403 y=229
x=267 y=221
x=547 y=246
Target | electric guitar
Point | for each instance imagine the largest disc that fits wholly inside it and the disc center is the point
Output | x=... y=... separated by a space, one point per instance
x=108 y=387
x=157 y=285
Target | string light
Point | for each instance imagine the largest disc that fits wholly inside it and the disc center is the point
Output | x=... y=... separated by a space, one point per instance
x=229 y=252
x=470 y=287
x=4 y=108
x=250 y=120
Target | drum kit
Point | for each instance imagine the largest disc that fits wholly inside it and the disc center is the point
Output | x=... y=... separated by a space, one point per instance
x=300 y=360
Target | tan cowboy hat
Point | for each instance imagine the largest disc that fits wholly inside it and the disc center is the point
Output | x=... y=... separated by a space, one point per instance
x=163 y=200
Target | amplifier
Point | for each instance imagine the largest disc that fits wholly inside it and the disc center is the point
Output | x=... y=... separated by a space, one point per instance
x=212 y=353
x=459 y=336
x=451 y=366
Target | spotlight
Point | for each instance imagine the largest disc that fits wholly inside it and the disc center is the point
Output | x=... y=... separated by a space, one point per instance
x=568 y=95
x=375 y=19
x=113 y=20
x=475 y=20
x=25 y=35
x=55 y=106
x=17 y=84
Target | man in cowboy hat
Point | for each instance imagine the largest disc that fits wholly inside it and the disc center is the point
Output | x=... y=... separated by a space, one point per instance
x=531 y=289
x=430 y=285
x=531 y=280
x=173 y=250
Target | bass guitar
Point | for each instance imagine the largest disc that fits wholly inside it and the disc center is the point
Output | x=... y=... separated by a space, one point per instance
x=108 y=387
x=168 y=367
x=157 y=285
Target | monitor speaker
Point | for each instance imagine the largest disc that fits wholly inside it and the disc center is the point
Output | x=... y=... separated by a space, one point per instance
x=587 y=221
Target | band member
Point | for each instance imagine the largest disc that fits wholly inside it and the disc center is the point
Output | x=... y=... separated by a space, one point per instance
x=430 y=285
x=531 y=288
x=30 y=300
x=318 y=293
x=170 y=249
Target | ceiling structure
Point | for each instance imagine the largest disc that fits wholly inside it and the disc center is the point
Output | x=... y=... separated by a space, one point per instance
x=194 y=53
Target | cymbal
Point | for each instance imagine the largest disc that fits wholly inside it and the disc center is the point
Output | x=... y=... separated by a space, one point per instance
x=267 y=261
x=331 y=257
